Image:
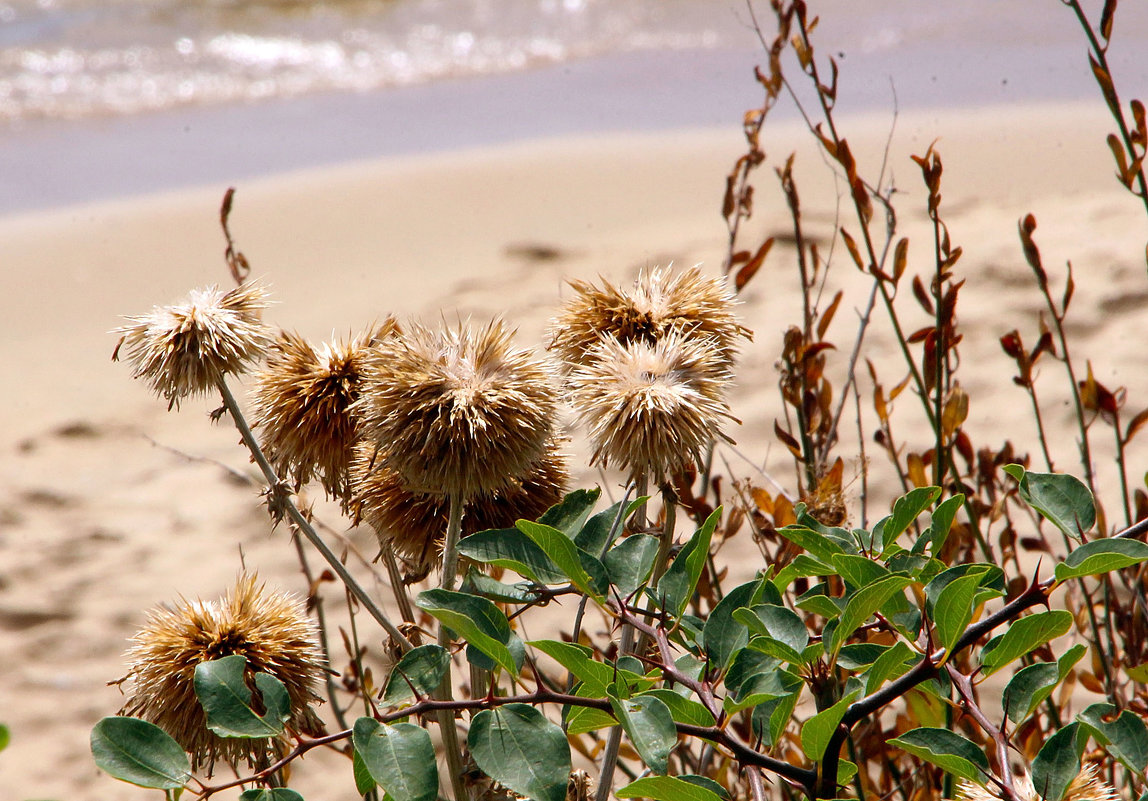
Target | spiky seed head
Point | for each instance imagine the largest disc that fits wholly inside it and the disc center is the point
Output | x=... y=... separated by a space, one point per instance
x=660 y=302
x=459 y=411
x=413 y=523
x=651 y=409
x=267 y=627
x=185 y=348
x=1086 y=786
x=302 y=406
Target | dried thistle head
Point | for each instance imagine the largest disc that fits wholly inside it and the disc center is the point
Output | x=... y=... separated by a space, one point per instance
x=185 y=348
x=269 y=628
x=413 y=523
x=302 y=406
x=1086 y=786
x=651 y=408
x=458 y=411
x=659 y=303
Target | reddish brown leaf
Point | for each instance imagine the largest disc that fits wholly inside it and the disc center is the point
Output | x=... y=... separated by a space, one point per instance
x=1135 y=425
x=851 y=245
x=1106 y=18
x=827 y=317
x=753 y=265
x=1122 y=171
x=1012 y=344
x=1106 y=87
x=900 y=258
x=787 y=439
x=922 y=295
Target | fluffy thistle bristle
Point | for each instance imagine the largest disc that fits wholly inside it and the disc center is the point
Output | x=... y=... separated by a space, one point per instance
x=413 y=523
x=268 y=628
x=659 y=303
x=1086 y=786
x=302 y=406
x=458 y=411
x=185 y=348
x=651 y=408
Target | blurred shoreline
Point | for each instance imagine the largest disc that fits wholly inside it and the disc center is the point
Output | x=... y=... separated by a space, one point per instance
x=49 y=163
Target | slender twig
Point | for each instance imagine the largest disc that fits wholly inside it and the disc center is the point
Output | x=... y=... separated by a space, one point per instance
x=445 y=716
x=281 y=502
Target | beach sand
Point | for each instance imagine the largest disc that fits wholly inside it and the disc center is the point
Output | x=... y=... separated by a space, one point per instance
x=110 y=505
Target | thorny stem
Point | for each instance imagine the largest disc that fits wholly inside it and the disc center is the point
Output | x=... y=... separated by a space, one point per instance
x=281 y=501
x=964 y=688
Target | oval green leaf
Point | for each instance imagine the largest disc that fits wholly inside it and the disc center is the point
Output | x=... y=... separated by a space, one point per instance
x=419 y=672
x=1061 y=499
x=518 y=747
x=1022 y=636
x=818 y=730
x=222 y=690
x=650 y=726
x=270 y=794
x=1057 y=764
x=474 y=619
x=140 y=753
x=399 y=758
x=669 y=788
x=1101 y=556
x=947 y=750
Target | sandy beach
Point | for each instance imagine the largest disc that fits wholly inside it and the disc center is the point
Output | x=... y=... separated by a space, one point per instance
x=110 y=505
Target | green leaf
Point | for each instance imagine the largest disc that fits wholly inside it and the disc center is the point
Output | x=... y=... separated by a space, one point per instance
x=421 y=668
x=682 y=710
x=585 y=571
x=1031 y=685
x=650 y=726
x=908 y=508
x=474 y=619
x=818 y=730
x=139 y=752
x=802 y=566
x=517 y=649
x=5 y=736
x=947 y=750
x=1057 y=764
x=815 y=543
x=270 y=794
x=776 y=622
x=858 y=571
x=894 y=662
x=863 y=604
x=594 y=538
x=518 y=747
x=754 y=678
x=681 y=579
x=630 y=562
x=1061 y=499
x=363 y=781
x=770 y=719
x=569 y=515
x=478 y=583
x=399 y=758
x=859 y=655
x=723 y=635
x=669 y=788
x=513 y=550
x=954 y=609
x=938 y=530
x=1022 y=636
x=1126 y=737
x=595 y=676
x=1101 y=556
x=223 y=692
x=816 y=601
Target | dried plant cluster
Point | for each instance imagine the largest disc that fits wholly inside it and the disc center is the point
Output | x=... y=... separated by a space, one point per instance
x=302 y=406
x=852 y=664
x=411 y=522
x=458 y=411
x=269 y=628
x=184 y=349
x=648 y=368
